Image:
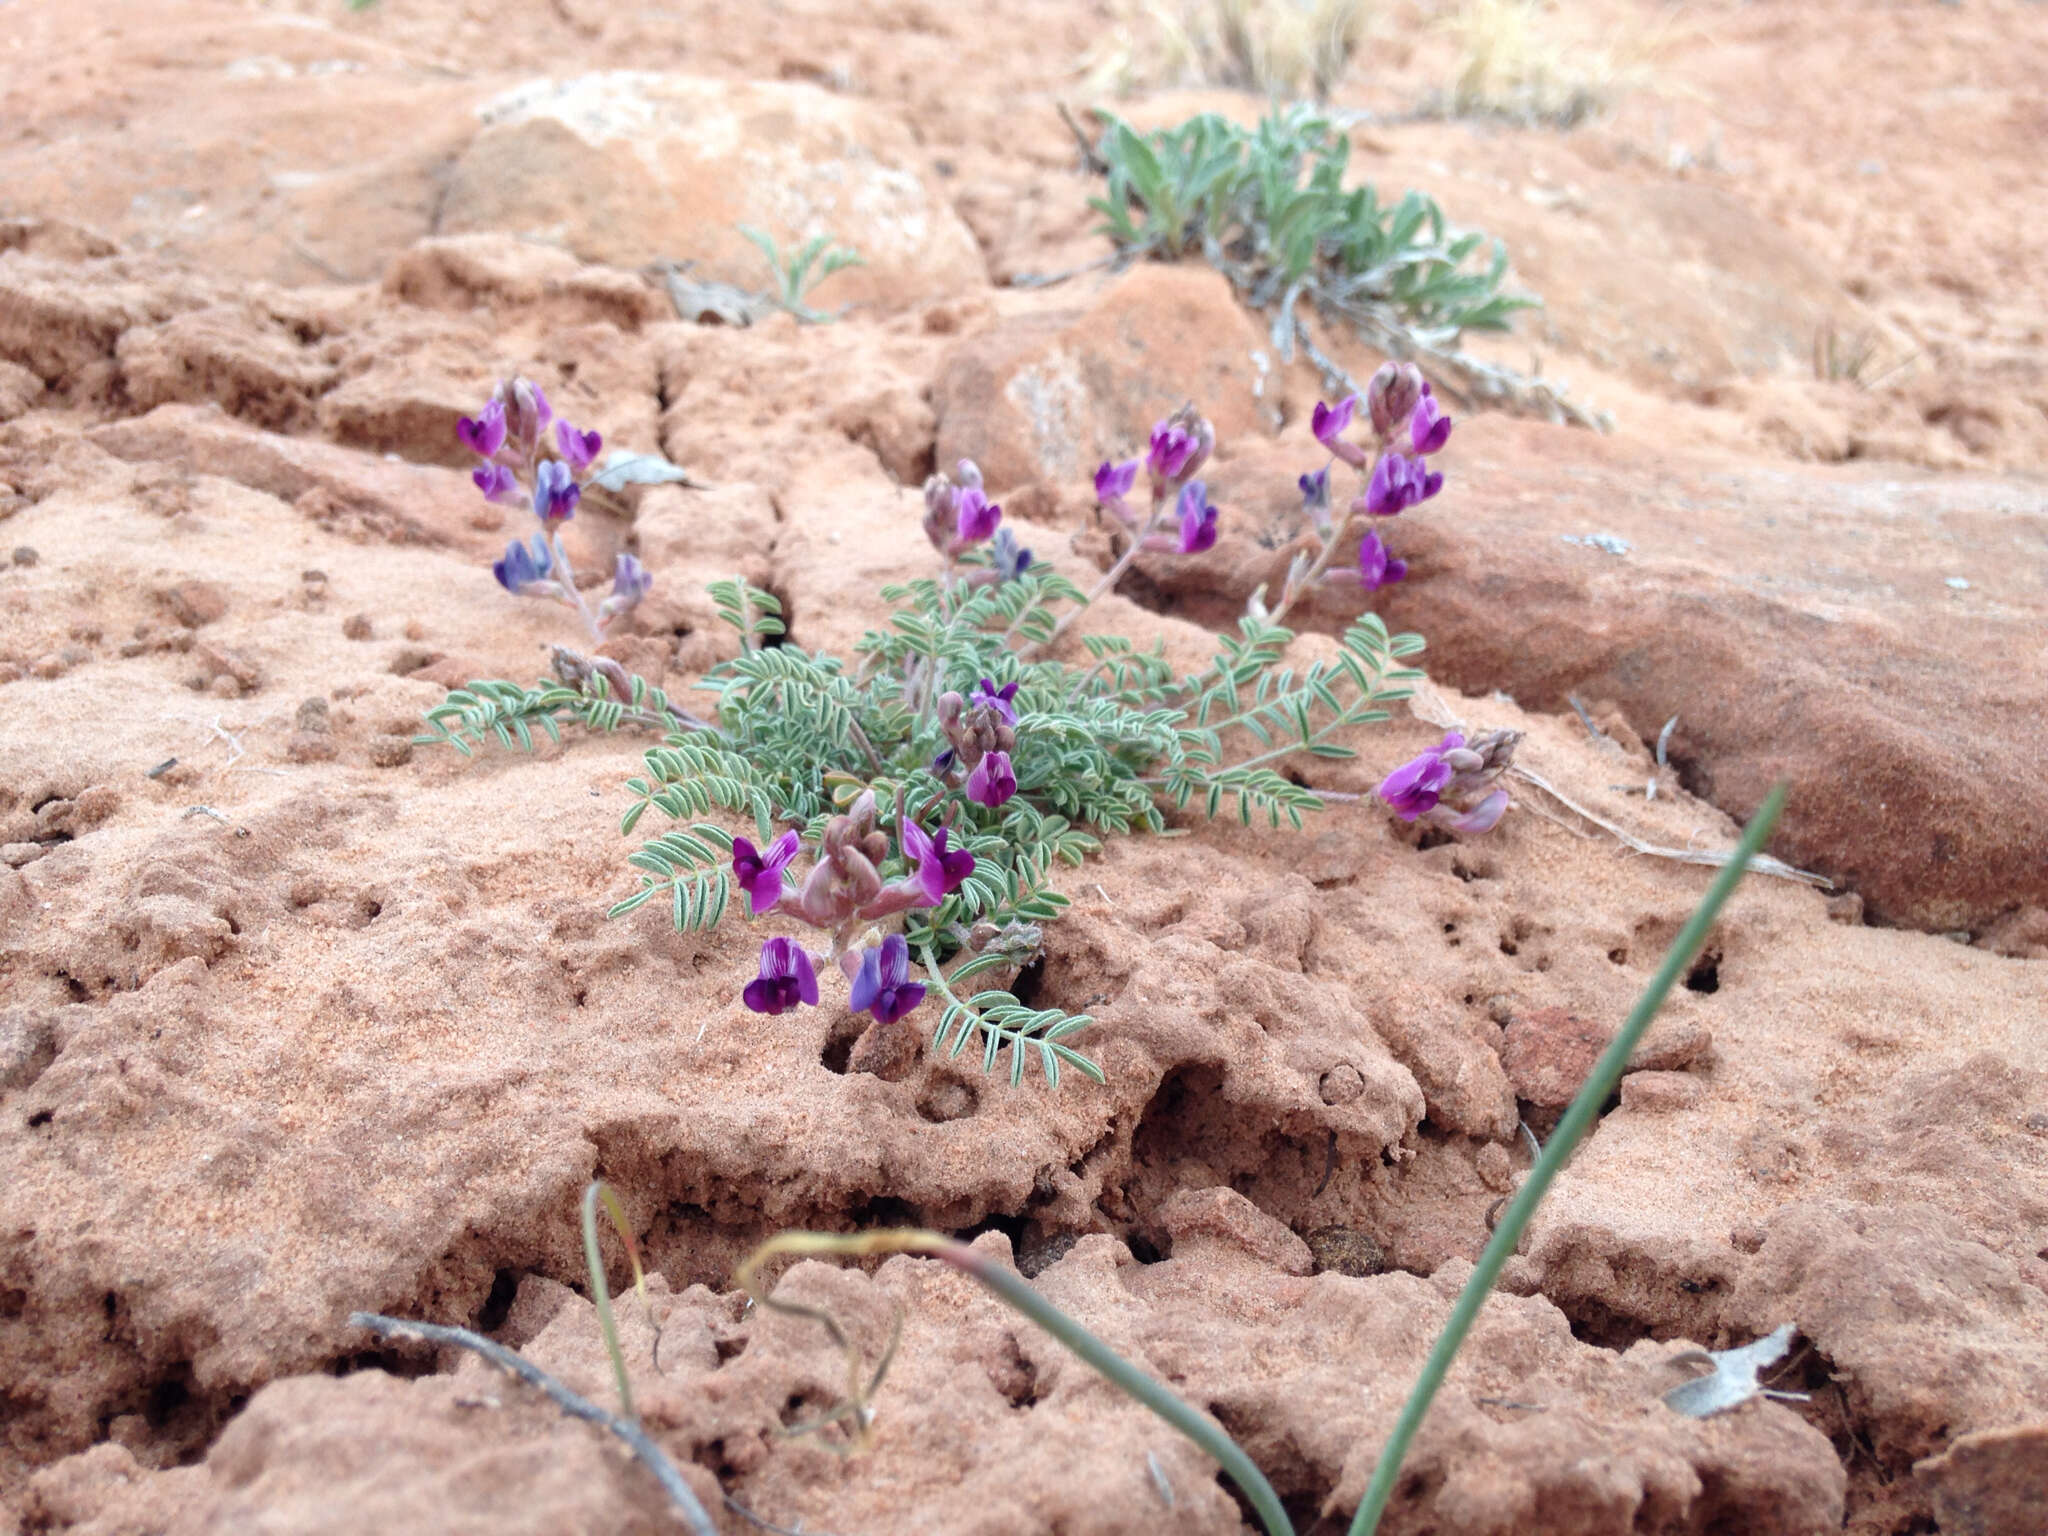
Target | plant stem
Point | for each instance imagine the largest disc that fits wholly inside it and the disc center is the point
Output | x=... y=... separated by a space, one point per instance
x=650 y=1455
x=601 y=1293
x=1578 y=1119
x=1115 y=573
x=568 y=582
x=1018 y=1293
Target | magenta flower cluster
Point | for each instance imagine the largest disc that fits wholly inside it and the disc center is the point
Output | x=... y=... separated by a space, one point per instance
x=1179 y=447
x=1408 y=425
x=844 y=892
x=1452 y=785
x=524 y=463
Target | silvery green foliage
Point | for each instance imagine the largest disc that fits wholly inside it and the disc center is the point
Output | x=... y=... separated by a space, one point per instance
x=1269 y=206
x=1105 y=744
x=802 y=269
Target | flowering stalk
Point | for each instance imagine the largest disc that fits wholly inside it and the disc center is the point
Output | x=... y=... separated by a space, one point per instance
x=1179 y=447
x=510 y=435
x=1404 y=414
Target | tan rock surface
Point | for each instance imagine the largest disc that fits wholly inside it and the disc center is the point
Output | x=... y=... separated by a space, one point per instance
x=297 y=1021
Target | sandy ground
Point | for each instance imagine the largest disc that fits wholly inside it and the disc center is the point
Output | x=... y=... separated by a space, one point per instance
x=297 y=1018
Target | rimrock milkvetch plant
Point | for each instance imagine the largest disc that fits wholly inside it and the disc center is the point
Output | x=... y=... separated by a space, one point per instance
x=902 y=811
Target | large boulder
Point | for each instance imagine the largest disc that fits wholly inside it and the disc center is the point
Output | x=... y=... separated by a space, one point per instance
x=1046 y=394
x=630 y=168
x=1871 y=636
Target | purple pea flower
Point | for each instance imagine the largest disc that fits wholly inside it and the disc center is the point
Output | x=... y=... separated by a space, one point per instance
x=483 y=435
x=1331 y=422
x=987 y=693
x=993 y=780
x=974 y=515
x=1428 y=427
x=555 y=492
x=1413 y=789
x=1197 y=519
x=524 y=566
x=1399 y=483
x=786 y=979
x=1170 y=451
x=578 y=448
x=1483 y=817
x=1376 y=565
x=497 y=483
x=1009 y=558
x=883 y=986
x=1315 y=494
x=939 y=870
x=760 y=874
x=630 y=583
x=1113 y=482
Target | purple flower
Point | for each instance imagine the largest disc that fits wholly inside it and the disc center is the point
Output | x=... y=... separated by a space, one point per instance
x=993 y=780
x=555 y=492
x=939 y=871
x=1171 y=450
x=786 y=979
x=883 y=986
x=943 y=763
x=1399 y=483
x=1483 y=817
x=1376 y=566
x=483 y=435
x=1414 y=788
x=1009 y=558
x=497 y=483
x=1113 y=482
x=578 y=448
x=760 y=874
x=1428 y=427
x=1315 y=494
x=1331 y=422
x=974 y=515
x=987 y=693
x=630 y=583
x=1197 y=519
x=523 y=566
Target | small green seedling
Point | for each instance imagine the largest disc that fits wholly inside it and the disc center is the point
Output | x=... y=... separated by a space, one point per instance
x=803 y=269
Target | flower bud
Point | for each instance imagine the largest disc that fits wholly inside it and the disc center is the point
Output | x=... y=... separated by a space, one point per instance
x=1391 y=395
x=949 y=706
x=823 y=901
x=527 y=412
x=876 y=846
x=861 y=877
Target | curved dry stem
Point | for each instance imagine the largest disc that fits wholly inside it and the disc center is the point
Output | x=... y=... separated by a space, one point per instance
x=1013 y=1289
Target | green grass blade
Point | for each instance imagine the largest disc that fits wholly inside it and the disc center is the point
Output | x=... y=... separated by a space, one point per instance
x=1578 y=1119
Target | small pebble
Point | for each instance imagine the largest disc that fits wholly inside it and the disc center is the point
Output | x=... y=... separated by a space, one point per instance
x=1495 y=1168
x=357 y=627
x=1346 y=1251
x=24 y=555
x=312 y=715
x=390 y=751
x=1341 y=1084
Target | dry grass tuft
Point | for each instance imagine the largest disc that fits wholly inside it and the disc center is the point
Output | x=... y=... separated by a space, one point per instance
x=1285 y=49
x=1525 y=60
